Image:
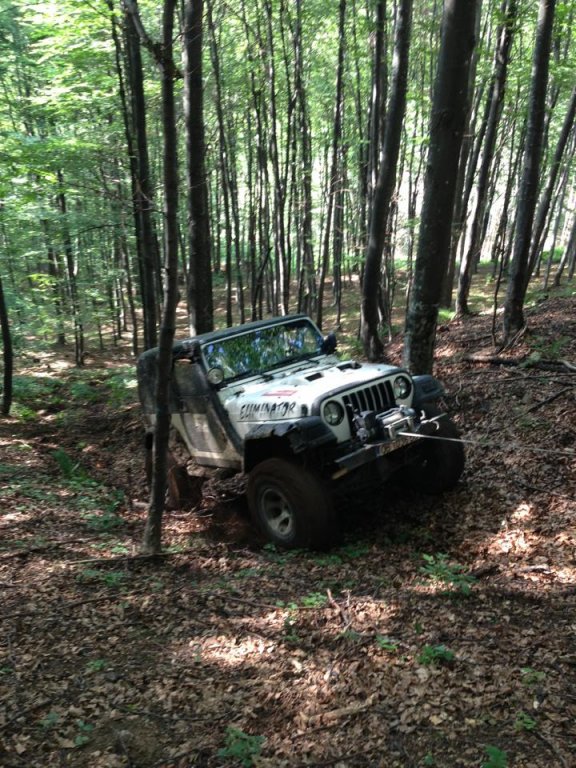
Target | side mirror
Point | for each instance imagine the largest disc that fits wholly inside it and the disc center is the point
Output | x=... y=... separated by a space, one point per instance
x=329 y=344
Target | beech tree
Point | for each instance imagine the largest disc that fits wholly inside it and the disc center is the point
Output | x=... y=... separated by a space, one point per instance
x=200 y=302
x=164 y=57
x=490 y=132
x=449 y=107
x=528 y=190
x=7 y=353
x=386 y=182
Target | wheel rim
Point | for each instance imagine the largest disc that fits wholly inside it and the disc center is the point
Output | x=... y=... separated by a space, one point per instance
x=277 y=512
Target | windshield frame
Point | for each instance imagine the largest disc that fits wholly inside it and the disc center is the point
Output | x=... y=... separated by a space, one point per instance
x=259 y=351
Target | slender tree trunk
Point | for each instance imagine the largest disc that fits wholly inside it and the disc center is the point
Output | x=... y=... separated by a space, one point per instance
x=568 y=257
x=71 y=268
x=200 y=302
x=335 y=162
x=307 y=293
x=449 y=108
x=163 y=54
x=224 y=159
x=528 y=192
x=497 y=89
x=7 y=354
x=281 y=266
x=370 y=315
x=544 y=206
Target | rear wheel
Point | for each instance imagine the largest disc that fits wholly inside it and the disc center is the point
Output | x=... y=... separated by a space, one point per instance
x=437 y=461
x=290 y=505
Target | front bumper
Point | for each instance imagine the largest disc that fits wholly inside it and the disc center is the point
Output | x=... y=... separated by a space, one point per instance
x=382 y=434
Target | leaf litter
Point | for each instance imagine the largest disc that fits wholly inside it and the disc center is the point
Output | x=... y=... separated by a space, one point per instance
x=439 y=633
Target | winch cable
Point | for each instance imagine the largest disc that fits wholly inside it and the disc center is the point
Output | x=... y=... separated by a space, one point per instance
x=568 y=452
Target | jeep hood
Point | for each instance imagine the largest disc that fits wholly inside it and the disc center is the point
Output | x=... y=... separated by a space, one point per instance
x=291 y=393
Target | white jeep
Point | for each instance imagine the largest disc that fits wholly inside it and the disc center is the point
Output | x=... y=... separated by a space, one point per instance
x=273 y=400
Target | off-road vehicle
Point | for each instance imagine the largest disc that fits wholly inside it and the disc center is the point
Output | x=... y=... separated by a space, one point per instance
x=273 y=400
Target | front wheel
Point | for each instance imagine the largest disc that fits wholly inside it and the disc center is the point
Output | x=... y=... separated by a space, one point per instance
x=290 y=505
x=437 y=461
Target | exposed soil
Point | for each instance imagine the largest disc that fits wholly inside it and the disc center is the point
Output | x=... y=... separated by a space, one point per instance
x=381 y=652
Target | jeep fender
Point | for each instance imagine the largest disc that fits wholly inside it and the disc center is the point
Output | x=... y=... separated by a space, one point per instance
x=286 y=439
x=427 y=389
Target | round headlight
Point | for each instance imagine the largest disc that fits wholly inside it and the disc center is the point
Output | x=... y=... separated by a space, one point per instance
x=333 y=413
x=402 y=387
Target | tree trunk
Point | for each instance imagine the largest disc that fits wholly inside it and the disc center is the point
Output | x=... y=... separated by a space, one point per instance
x=449 y=108
x=370 y=315
x=149 y=258
x=497 y=89
x=71 y=268
x=163 y=54
x=281 y=266
x=200 y=303
x=335 y=162
x=528 y=191
x=7 y=354
x=567 y=257
x=544 y=206
x=307 y=280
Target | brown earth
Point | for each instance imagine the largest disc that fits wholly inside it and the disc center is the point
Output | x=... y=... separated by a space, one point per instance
x=440 y=633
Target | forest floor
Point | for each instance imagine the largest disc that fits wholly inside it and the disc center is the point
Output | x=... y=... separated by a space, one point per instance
x=441 y=632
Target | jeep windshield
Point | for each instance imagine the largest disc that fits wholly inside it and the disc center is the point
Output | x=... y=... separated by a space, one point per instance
x=259 y=351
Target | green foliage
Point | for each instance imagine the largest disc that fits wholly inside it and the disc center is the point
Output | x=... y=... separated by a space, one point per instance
x=386 y=644
x=432 y=655
x=49 y=721
x=438 y=568
x=354 y=550
x=85 y=730
x=496 y=758
x=103 y=522
x=241 y=747
x=524 y=722
x=547 y=349
x=108 y=578
x=96 y=665
x=121 y=386
x=69 y=468
x=34 y=393
x=327 y=560
x=314 y=600
x=531 y=677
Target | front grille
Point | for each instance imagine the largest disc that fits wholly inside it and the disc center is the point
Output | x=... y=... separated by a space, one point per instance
x=377 y=397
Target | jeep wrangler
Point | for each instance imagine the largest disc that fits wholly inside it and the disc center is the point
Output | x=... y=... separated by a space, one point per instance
x=272 y=399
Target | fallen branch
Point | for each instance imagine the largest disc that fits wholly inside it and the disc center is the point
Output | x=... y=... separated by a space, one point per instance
x=127 y=558
x=541 y=403
x=525 y=362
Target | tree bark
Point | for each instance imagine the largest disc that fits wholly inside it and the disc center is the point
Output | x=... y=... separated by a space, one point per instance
x=149 y=258
x=449 y=108
x=544 y=205
x=200 y=302
x=528 y=191
x=307 y=294
x=7 y=354
x=71 y=271
x=497 y=89
x=163 y=54
x=335 y=161
x=380 y=214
